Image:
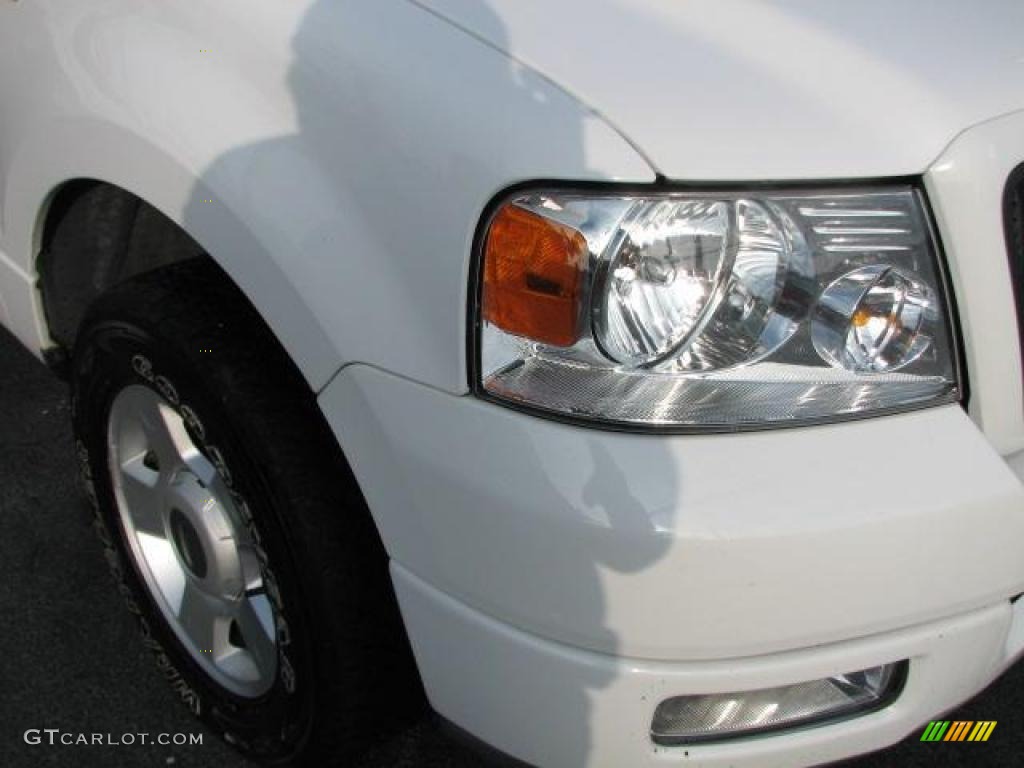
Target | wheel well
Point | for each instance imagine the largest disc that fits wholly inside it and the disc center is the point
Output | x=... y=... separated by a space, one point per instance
x=96 y=235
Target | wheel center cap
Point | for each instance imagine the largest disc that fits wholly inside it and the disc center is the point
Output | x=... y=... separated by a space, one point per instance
x=187 y=544
x=203 y=537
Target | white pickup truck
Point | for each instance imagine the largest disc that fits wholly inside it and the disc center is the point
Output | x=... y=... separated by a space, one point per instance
x=648 y=373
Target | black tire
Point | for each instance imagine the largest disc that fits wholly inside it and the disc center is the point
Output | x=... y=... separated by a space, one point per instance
x=343 y=657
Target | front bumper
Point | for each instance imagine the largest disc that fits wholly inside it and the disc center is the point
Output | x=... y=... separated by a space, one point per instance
x=555 y=705
x=558 y=583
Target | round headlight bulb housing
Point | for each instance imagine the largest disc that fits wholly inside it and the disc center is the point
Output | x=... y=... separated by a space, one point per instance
x=694 y=285
x=669 y=259
x=875 y=319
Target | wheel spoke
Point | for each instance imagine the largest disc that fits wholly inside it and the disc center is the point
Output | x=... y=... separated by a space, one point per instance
x=255 y=619
x=164 y=566
x=167 y=437
x=202 y=467
x=143 y=496
x=159 y=432
x=251 y=572
x=201 y=620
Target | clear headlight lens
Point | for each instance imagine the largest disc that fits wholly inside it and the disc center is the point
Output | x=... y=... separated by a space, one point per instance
x=716 y=310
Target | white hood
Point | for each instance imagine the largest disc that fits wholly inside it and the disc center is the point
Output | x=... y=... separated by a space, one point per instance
x=763 y=89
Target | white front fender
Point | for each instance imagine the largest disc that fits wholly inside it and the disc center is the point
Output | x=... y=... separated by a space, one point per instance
x=334 y=157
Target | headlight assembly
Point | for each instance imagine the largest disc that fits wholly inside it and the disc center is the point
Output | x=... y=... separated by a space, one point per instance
x=713 y=310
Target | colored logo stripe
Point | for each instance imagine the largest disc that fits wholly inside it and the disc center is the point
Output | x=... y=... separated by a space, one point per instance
x=935 y=730
x=958 y=730
x=982 y=730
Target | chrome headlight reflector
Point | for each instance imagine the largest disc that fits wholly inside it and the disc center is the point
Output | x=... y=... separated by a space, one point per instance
x=713 y=310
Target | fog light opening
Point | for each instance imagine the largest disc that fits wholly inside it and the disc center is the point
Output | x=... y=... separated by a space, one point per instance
x=719 y=716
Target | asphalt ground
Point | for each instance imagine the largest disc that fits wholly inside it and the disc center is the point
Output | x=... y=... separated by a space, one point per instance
x=71 y=658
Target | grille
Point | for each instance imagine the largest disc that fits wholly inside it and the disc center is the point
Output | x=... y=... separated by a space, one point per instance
x=1013 y=223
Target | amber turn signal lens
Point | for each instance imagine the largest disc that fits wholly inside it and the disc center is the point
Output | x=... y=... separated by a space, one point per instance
x=533 y=277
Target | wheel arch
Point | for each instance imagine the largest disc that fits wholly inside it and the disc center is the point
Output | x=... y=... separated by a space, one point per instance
x=167 y=193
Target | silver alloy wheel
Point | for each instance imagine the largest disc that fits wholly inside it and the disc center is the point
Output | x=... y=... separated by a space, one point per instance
x=188 y=541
